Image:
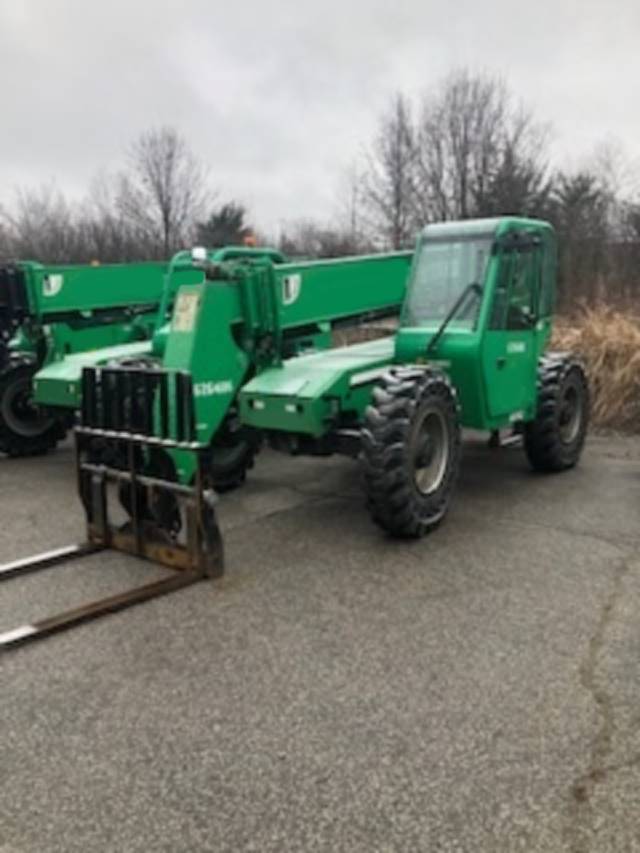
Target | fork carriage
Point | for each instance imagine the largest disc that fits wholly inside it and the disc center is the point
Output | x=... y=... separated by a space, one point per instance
x=116 y=432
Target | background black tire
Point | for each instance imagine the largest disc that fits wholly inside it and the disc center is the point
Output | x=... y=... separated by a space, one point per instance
x=554 y=440
x=413 y=417
x=23 y=430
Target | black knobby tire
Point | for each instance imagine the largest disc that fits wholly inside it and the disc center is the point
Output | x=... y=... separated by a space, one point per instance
x=233 y=453
x=554 y=440
x=24 y=431
x=411 y=446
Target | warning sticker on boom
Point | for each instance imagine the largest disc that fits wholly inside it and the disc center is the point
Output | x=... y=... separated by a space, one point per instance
x=184 y=314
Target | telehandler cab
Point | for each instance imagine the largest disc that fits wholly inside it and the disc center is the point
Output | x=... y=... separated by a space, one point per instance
x=470 y=351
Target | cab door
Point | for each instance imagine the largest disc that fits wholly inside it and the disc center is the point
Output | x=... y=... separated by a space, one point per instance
x=510 y=343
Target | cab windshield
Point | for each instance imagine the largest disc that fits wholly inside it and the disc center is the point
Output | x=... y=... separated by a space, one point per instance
x=445 y=268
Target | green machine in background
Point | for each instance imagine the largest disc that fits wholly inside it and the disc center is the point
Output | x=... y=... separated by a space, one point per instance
x=57 y=385
x=55 y=320
x=48 y=313
x=470 y=351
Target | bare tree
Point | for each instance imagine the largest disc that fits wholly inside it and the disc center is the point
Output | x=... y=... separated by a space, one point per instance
x=161 y=195
x=350 y=217
x=626 y=253
x=308 y=239
x=478 y=155
x=104 y=232
x=615 y=170
x=388 y=184
x=606 y=240
x=41 y=226
x=6 y=242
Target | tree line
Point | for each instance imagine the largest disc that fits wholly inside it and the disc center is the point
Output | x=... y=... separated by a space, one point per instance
x=465 y=148
x=159 y=202
x=468 y=149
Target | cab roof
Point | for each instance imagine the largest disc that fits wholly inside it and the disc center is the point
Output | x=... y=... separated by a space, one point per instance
x=490 y=227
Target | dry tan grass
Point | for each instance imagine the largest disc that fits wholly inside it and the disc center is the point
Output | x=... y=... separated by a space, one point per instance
x=365 y=332
x=608 y=341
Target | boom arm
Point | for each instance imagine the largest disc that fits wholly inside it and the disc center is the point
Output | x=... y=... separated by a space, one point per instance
x=50 y=294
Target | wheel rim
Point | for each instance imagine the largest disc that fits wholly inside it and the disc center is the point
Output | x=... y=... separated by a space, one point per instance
x=431 y=451
x=19 y=413
x=570 y=415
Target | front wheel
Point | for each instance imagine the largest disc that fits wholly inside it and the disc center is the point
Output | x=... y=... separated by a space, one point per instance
x=554 y=440
x=232 y=453
x=411 y=442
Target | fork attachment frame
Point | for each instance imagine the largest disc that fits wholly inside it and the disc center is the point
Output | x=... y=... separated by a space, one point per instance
x=105 y=419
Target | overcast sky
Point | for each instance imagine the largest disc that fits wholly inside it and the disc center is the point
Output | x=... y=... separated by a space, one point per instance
x=279 y=97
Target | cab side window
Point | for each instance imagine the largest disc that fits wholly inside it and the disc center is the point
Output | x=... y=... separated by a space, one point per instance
x=516 y=295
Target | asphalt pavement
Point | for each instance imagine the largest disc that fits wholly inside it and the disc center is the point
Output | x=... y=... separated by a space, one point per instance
x=336 y=690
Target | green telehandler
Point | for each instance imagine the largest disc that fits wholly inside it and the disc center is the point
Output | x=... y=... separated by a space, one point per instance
x=470 y=351
x=50 y=312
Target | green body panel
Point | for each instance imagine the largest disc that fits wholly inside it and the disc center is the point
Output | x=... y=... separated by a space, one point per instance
x=303 y=395
x=59 y=383
x=63 y=339
x=218 y=364
x=493 y=369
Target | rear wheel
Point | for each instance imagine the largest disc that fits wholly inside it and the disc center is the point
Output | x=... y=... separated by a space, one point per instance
x=411 y=451
x=24 y=429
x=554 y=440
